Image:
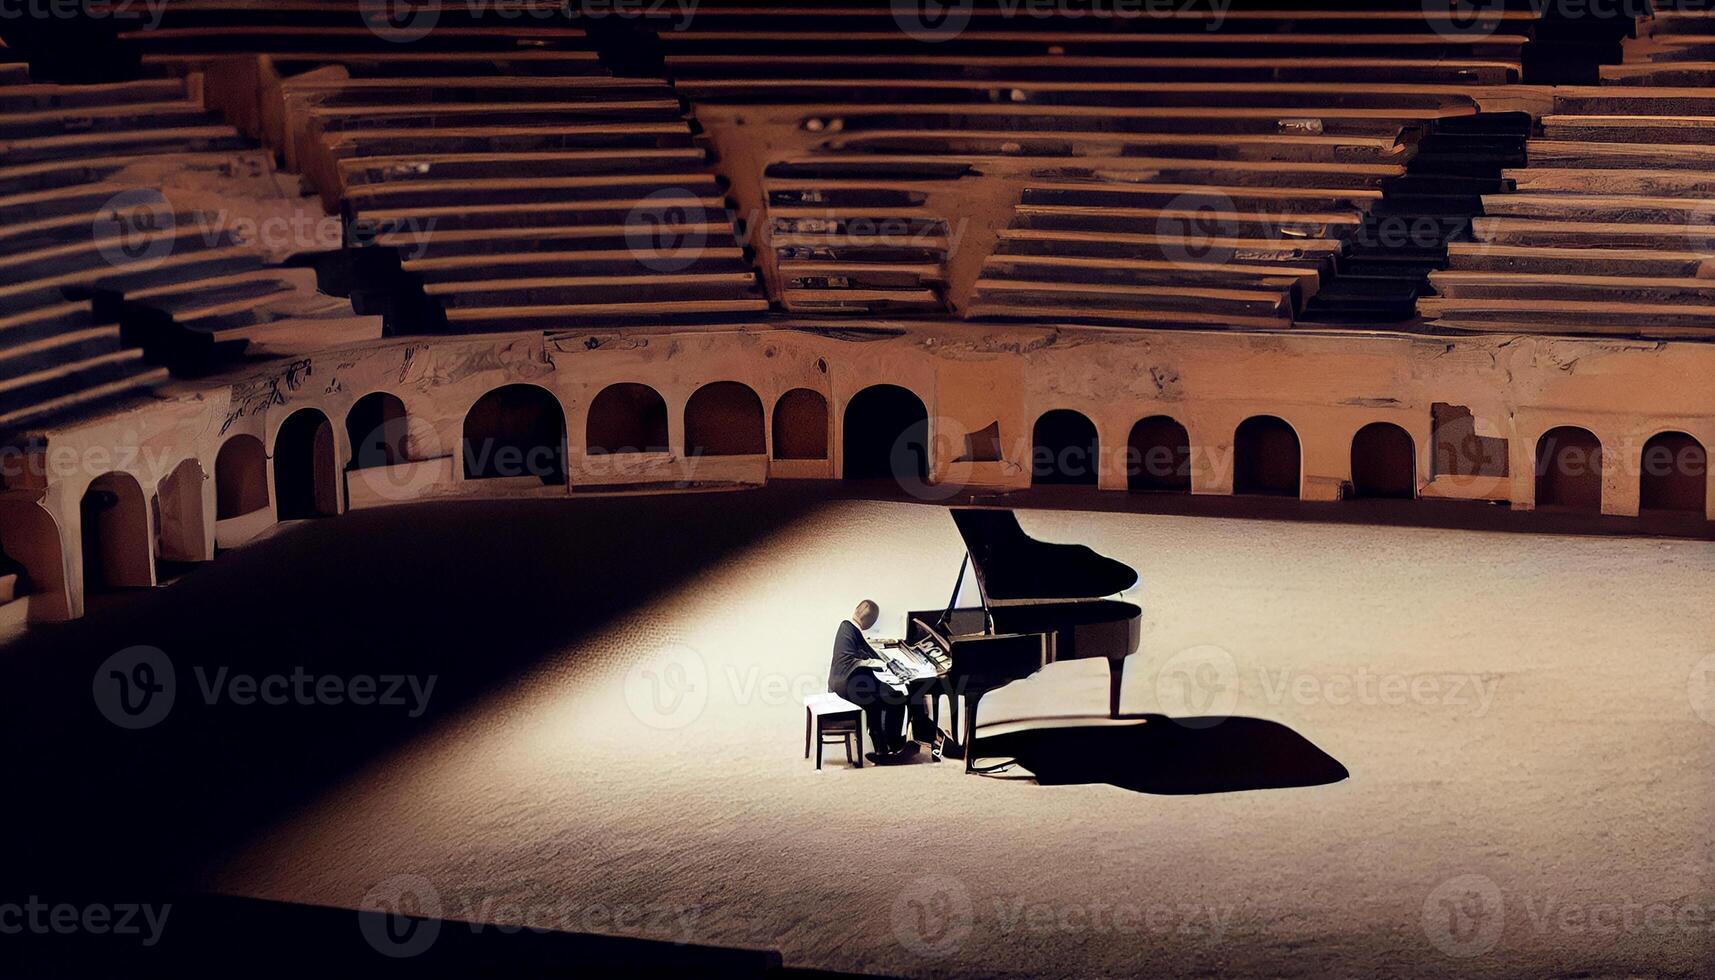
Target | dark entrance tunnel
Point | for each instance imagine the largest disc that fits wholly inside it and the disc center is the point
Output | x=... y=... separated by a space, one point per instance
x=886 y=435
x=305 y=481
x=1266 y=457
x=1158 y=456
x=1384 y=462
x=1569 y=470
x=516 y=431
x=1675 y=474
x=724 y=419
x=376 y=428
x=1064 y=450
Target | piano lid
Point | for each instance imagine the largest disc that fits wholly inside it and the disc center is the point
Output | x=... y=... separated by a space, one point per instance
x=1013 y=567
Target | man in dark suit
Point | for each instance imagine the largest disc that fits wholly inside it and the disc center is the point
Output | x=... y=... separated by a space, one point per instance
x=852 y=676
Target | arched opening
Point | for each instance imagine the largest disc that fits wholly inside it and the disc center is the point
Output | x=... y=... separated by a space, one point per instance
x=14 y=582
x=516 y=430
x=240 y=478
x=1064 y=449
x=117 y=552
x=1569 y=469
x=1266 y=457
x=1675 y=474
x=1158 y=456
x=627 y=418
x=886 y=435
x=801 y=425
x=305 y=480
x=376 y=428
x=724 y=419
x=1384 y=462
x=30 y=543
x=179 y=532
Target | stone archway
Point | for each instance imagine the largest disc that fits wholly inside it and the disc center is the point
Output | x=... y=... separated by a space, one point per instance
x=1267 y=459
x=517 y=430
x=1569 y=470
x=725 y=419
x=1384 y=462
x=801 y=425
x=306 y=479
x=627 y=418
x=1674 y=474
x=886 y=435
x=1064 y=449
x=180 y=532
x=113 y=518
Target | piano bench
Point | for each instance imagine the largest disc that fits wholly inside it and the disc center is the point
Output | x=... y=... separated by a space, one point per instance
x=831 y=717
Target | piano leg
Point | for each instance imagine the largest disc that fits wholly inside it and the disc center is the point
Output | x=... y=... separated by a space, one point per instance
x=1116 y=673
x=953 y=714
x=971 y=701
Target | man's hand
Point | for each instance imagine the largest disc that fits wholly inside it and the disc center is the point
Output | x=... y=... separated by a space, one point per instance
x=874 y=664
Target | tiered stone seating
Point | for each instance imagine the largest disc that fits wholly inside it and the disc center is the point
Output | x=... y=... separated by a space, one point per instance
x=1185 y=168
x=1610 y=229
x=90 y=248
x=523 y=184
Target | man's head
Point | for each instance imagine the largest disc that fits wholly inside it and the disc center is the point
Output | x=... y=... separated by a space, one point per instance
x=866 y=614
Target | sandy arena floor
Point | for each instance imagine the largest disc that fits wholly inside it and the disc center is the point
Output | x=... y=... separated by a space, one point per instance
x=1527 y=727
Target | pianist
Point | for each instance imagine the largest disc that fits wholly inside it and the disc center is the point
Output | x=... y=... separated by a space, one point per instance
x=852 y=676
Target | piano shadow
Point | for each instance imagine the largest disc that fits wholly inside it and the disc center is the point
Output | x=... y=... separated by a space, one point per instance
x=1168 y=756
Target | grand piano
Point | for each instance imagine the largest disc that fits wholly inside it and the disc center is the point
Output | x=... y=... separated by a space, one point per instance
x=1041 y=603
